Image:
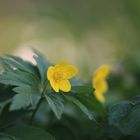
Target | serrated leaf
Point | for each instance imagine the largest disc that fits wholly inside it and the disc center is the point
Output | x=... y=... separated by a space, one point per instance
x=26 y=89
x=136 y=100
x=42 y=64
x=18 y=72
x=6 y=93
x=125 y=116
x=56 y=104
x=13 y=62
x=24 y=97
x=29 y=133
x=80 y=105
x=85 y=95
x=132 y=121
x=18 y=78
x=21 y=101
x=9 y=78
x=91 y=103
x=3 y=104
x=31 y=68
x=119 y=110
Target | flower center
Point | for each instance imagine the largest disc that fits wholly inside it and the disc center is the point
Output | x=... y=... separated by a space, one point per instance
x=58 y=76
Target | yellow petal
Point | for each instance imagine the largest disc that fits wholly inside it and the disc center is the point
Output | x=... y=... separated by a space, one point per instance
x=54 y=85
x=99 y=82
x=101 y=86
x=102 y=72
x=99 y=96
x=67 y=70
x=70 y=71
x=65 y=85
x=50 y=72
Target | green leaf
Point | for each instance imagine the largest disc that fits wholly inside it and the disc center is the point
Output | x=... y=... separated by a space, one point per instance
x=6 y=137
x=42 y=64
x=21 y=101
x=119 y=110
x=3 y=104
x=9 y=78
x=8 y=118
x=24 y=75
x=24 y=98
x=29 y=133
x=91 y=103
x=126 y=116
x=80 y=105
x=6 y=93
x=136 y=100
x=31 y=68
x=85 y=95
x=26 y=89
x=56 y=104
x=18 y=78
x=13 y=62
x=18 y=72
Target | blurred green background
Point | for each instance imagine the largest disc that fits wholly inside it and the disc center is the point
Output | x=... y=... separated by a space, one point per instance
x=87 y=33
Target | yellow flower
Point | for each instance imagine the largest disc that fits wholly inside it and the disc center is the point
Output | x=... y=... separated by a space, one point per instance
x=59 y=76
x=99 y=82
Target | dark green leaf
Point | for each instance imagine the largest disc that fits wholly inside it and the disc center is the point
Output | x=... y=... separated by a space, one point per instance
x=56 y=104
x=6 y=93
x=136 y=100
x=85 y=95
x=24 y=98
x=119 y=110
x=13 y=62
x=91 y=103
x=18 y=78
x=126 y=116
x=28 y=65
x=6 y=137
x=80 y=105
x=29 y=133
x=26 y=89
x=21 y=101
x=9 y=78
x=42 y=64
x=9 y=117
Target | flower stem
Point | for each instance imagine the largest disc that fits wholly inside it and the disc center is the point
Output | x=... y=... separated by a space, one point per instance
x=36 y=109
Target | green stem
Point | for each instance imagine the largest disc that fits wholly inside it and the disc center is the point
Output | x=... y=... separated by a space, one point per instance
x=36 y=109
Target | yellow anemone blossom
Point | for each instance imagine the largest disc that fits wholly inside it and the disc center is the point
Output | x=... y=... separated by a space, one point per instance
x=99 y=82
x=59 y=76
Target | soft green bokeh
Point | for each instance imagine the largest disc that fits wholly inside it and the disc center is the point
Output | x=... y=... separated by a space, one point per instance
x=88 y=33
